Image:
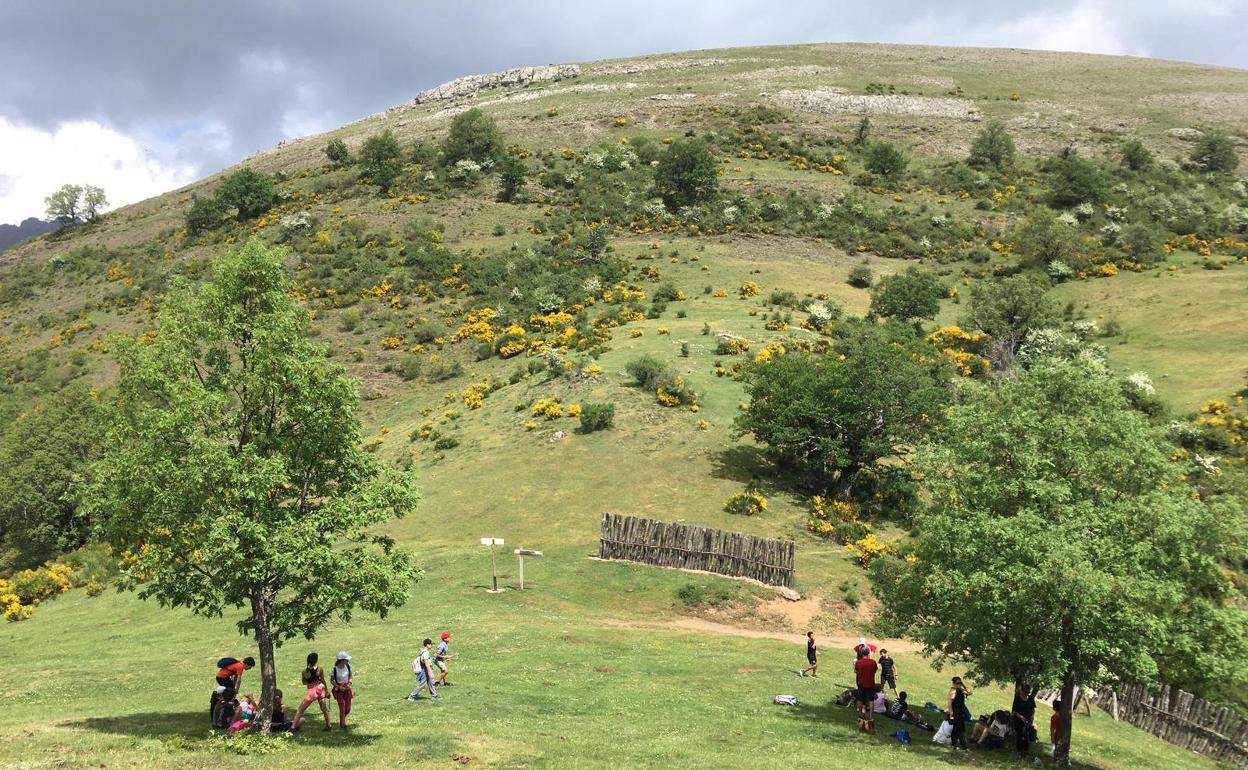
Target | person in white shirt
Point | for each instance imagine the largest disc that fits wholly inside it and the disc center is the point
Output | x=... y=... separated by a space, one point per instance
x=340 y=683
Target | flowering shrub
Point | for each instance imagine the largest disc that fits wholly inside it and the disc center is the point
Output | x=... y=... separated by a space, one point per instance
x=747 y=503
x=720 y=293
x=772 y=349
x=660 y=330
x=674 y=391
x=550 y=408
x=731 y=344
x=870 y=548
x=962 y=348
x=574 y=410
x=475 y=395
x=477 y=326
x=635 y=333
x=748 y=290
x=20 y=594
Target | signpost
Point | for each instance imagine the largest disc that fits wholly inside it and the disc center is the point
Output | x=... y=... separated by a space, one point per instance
x=521 y=553
x=491 y=542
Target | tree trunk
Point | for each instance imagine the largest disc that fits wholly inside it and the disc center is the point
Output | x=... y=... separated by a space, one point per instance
x=1061 y=756
x=261 y=617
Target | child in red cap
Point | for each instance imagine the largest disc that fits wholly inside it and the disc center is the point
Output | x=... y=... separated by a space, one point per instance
x=441 y=656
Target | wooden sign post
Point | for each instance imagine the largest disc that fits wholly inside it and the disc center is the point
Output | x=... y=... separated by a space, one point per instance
x=520 y=553
x=491 y=542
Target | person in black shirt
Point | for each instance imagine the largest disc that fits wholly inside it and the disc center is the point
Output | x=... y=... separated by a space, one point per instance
x=888 y=671
x=957 y=713
x=812 y=655
x=1024 y=711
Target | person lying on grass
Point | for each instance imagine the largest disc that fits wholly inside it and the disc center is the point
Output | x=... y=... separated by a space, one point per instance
x=899 y=709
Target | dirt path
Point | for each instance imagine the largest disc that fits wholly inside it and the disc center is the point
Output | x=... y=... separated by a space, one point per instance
x=705 y=626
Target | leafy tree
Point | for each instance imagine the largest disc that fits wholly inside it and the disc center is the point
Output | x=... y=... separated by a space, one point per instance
x=204 y=214
x=1074 y=180
x=381 y=159
x=1060 y=545
x=862 y=134
x=337 y=153
x=1009 y=308
x=912 y=294
x=473 y=136
x=1044 y=239
x=886 y=160
x=74 y=203
x=993 y=148
x=1136 y=156
x=233 y=471
x=511 y=178
x=1214 y=152
x=860 y=277
x=1141 y=242
x=248 y=191
x=44 y=451
x=833 y=419
x=686 y=173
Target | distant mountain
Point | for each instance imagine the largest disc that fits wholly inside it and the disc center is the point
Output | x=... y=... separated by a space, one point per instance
x=11 y=235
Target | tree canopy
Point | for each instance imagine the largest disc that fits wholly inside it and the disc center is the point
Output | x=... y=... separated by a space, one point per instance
x=1008 y=308
x=686 y=173
x=248 y=191
x=74 y=203
x=1061 y=546
x=913 y=294
x=473 y=136
x=233 y=475
x=993 y=148
x=381 y=159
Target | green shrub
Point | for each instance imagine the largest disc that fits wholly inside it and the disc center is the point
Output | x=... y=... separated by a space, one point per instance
x=511 y=178
x=595 y=417
x=444 y=443
x=860 y=277
x=444 y=370
x=204 y=214
x=993 y=148
x=1074 y=181
x=1136 y=156
x=912 y=294
x=694 y=595
x=381 y=159
x=862 y=134
x=686 y=173
x=349 y=320
x=248 y=191
x=409 y=367
x=886 y=160
x=473 y=136
x=647 y=371
x=1214 y=152
x=337 y=153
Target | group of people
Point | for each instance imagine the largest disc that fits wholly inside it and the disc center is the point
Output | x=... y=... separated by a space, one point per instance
x=233 y=711
x=990 y=731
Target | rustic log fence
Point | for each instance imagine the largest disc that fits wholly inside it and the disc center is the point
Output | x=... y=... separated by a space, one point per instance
x=736 y=554
x=1186 y=721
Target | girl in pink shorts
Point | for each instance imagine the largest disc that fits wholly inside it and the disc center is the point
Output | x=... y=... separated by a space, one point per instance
x=313 y=678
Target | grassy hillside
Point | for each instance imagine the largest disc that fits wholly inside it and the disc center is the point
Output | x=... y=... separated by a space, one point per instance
x=591 y=650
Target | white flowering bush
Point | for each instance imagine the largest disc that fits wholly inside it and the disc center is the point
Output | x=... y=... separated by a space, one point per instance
x=654 y=208
x=730 y=213
x=824 y=212
x=292 y=223
x=1084 y=329
x=1206 y=465
x=592 y=285
x=1084 y=211
x=1142 y=383
x=613 y=158
x=1060 y=271
x=1116 y=213
x=1235 y=218
x=1068 y=218
x=465 y=171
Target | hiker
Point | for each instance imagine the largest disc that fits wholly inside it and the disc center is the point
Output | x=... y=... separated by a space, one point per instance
x=957 y=713
x=1024 y=710
x=340 y=680
x=230 y=672
x=441 y=656
x=423 y=668
x=991 y=734
x=1055 y=726
x=313 y=677
x=888 y=671
x=864 y=674
x=812 y=656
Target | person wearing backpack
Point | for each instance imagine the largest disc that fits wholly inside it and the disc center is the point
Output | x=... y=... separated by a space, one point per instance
x=224 y=709
x=423 y=668
x=340 y=681
x=230 y=672
x=313 y=677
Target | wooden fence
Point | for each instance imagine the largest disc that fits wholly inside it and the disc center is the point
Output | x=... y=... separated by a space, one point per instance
x=1181 y=718
x=648 y=541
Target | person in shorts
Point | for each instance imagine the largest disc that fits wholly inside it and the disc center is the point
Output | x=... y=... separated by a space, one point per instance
x=864 y=694
x=313 y=678
x=812 y=655
x=888 y=672
x=441 y=656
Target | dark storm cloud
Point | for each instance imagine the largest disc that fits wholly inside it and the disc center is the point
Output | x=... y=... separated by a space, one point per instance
x=205 y=83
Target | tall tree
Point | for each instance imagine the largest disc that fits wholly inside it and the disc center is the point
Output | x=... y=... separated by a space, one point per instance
x=249 y=191
x=233 y=471
x=686 y=173
x=909 y=295
x=381 y=159
x=65 y=205
x=1009 y=308
x=473 y=135
x=993 y=148
x=1061 y=546
x=832 y=419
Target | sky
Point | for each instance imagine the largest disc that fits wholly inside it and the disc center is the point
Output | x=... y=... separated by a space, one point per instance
x=142 y=96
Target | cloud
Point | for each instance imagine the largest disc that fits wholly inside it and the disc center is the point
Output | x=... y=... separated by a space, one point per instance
x=38 y=162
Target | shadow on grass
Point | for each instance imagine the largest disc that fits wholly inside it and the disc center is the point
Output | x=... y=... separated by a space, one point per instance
x=845 y=721
x=743 y=463
x=191 y=730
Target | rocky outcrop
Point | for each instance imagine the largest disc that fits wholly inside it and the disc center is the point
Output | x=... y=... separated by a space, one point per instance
x=473 y=84
x=830 y=101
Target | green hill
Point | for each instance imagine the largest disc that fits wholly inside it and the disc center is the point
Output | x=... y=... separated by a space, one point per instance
x=397 y=281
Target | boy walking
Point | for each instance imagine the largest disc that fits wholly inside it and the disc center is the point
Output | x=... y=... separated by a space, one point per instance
x=812 y=655
x=423 y=668
x=441 y=656
x=888 y=672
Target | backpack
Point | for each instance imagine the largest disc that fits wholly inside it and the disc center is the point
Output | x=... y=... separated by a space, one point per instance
x=224 y=662
x=223 y=715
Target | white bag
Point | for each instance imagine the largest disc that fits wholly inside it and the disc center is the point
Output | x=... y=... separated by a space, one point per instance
x=944 y=735
x=785 y=700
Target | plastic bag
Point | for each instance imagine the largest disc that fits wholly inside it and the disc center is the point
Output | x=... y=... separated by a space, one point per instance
x=945 y=734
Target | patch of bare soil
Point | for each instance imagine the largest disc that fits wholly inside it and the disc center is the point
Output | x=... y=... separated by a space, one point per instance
x=830 y=101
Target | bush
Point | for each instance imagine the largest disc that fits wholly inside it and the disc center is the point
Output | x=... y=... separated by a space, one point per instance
x=1214 y=152
x=349 y=320
x=409 y=367
x=1136 y=156
x=747 y=503
x=444 y=443
x=647 y=371
x=912 y=294
x=595 y=417
x=686 y=173
x=694 y=595
x=860 y=277
x=337 y=153
x=473 y=136
x=1074 y=181
x=886 y=160
x=993 y=148
x=511 y=177
x=783 y=298
x=250 y=192
x=381 y=159
x=204 y=214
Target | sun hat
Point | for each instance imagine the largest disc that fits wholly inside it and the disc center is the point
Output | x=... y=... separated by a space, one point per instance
x=446 y=635
x=343 y=656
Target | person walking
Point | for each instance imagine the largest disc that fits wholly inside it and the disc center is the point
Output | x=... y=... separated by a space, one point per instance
x=313 y=678
x=957 y=713
x=888 y=671
x=864 y=695
x=441 y=656
x=423 y=668
x=812 y=655
x=1024 y=710
x=340 y=682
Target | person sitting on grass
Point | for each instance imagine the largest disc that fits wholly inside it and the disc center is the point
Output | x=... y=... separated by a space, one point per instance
x=880 y=704
x=313 y=677
x=812 y=656
x=992 y=734
x=279 y=722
